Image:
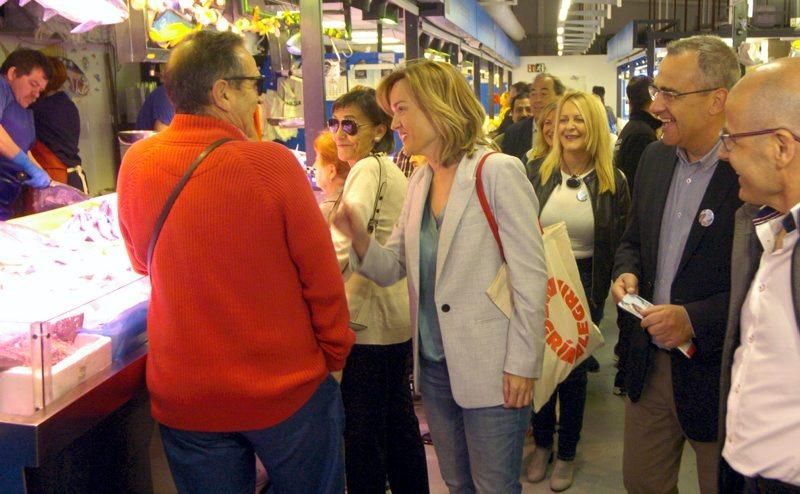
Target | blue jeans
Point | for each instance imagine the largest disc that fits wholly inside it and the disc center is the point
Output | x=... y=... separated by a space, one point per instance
x=303 y=454
x=479 y=449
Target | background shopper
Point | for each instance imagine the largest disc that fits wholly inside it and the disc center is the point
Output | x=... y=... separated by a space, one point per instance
x=382 y=438
x=577 y=184
x=329 y=174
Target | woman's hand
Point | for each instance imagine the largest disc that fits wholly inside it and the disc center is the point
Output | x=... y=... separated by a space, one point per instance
x=517 y=391
x=346 y=220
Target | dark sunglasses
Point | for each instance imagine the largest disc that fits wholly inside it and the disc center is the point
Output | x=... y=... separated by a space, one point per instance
x=259 y=80
x=350 y=127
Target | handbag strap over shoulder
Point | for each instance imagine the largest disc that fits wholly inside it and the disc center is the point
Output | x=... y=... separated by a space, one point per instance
x=487 y=211
x=174 y=195
x=372 y=224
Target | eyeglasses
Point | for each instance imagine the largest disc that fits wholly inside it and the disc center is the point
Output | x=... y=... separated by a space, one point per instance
x=350 y=127
x=670 y=96
x=729 y=140
x=259 y=80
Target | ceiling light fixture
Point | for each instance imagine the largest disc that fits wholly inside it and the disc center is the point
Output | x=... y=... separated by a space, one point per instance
x=564 y=11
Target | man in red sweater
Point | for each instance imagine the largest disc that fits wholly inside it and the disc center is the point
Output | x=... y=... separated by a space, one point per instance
x=248 y=314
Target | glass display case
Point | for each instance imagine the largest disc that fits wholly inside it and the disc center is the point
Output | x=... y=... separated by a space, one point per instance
x=69 y=302
x=72 y=331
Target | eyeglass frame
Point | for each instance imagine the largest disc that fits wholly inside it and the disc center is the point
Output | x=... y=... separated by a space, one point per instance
x=341 y=123
x=727 y=137
x=259 y=80
x=670 y=95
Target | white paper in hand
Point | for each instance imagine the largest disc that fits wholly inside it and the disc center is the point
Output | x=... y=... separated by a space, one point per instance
x=634 y=303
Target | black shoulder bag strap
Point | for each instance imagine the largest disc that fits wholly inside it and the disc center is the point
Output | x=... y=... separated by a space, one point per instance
x=174 y=195
x=372 y=224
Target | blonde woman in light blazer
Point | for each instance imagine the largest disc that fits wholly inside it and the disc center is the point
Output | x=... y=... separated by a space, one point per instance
x=475 y=366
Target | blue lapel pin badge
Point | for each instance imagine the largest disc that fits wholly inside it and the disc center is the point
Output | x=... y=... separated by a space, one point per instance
x=706 y=217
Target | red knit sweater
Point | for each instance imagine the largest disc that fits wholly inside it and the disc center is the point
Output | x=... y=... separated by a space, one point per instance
x=248 y=311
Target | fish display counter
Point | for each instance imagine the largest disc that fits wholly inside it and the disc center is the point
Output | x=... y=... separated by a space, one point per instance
x=72 y=331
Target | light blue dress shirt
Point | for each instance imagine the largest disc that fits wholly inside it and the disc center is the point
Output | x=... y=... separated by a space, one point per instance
x=689 y=184
x=430 y=335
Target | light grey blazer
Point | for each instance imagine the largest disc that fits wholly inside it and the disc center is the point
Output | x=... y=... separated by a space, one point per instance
x=480 y=342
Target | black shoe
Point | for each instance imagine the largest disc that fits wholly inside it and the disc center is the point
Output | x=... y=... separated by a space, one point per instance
x=592 y=365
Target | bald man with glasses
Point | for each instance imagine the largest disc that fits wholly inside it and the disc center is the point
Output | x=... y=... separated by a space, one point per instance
x=760 y=399
x=676 y=253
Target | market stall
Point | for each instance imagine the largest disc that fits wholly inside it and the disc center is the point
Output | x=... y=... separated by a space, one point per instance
x=72 y=334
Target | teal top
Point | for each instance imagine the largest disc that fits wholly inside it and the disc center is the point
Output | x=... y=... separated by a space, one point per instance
x=430 y=335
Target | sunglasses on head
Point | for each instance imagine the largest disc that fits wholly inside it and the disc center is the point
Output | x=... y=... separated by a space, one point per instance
x=349 y=127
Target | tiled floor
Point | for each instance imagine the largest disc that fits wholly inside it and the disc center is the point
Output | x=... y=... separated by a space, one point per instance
x=599 y=461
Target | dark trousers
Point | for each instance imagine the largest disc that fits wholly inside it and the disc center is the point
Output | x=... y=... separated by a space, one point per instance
x=626 y=324
x=570 y=394
x=732 y=482
x=382 y=439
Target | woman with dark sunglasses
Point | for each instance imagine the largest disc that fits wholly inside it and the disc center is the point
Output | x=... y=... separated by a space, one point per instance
x=382 y=439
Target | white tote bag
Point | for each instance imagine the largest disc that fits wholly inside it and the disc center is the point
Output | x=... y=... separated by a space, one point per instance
x=570 y=334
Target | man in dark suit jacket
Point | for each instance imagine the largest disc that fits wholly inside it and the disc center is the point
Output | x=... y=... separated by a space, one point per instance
x=675 y=253
x=518 y=138
x=637 y=134
x=761 y=356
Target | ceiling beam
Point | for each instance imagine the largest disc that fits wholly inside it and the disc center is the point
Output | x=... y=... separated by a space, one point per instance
x=587 y=13
x=584 y=22
x=407 y=5
x=578 y=29
x=484 y=3
x=618 y=3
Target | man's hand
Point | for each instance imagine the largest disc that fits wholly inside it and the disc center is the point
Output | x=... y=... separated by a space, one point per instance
x=669 y=325
x=517 y=391
x=38 y=178
x=627 y=283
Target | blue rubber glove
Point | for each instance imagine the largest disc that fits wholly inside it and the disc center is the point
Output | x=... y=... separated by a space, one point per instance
x=39 y=179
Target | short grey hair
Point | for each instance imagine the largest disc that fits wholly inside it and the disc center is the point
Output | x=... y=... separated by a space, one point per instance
x=558 y=87
x=196 y=63
x=717 y=61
